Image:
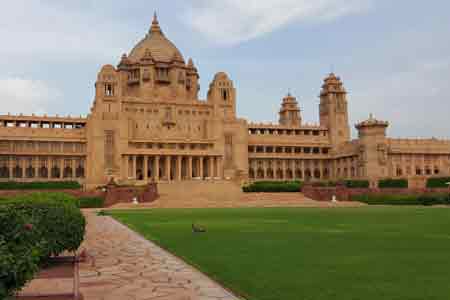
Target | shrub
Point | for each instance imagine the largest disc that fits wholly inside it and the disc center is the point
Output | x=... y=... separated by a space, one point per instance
x=431 y=199
x=19 y=256
x=393 y=183
x=273 y=187
x=440 y=182
x=357 y=184
x=57 y=185
x=34 y=227
x=90 y=202
x=324 y=183
x=434 y=199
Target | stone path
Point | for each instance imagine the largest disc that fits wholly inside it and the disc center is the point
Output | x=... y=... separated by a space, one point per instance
x=126 y=266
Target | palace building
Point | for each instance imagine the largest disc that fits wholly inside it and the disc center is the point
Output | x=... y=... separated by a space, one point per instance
x=147 y=123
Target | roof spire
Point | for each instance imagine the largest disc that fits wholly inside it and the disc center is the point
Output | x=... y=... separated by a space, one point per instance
x=155 y=24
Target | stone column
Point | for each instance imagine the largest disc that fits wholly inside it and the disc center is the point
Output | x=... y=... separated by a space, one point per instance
x=10 y=165
x=74 y=167
x=189 y=168
x=124 y=167
x=264 y=167
x=23 y=162
x=302 y=168
x=179 y=166
x=283 y=168
x=423 y=165
x=36 y=166
x=168 y=159
x=200 y=159
x=156 y=167
x=145 y=162
x=49 y=167
x=211 y=167
x=61 y=168
x=220 y=167
x=134 y=167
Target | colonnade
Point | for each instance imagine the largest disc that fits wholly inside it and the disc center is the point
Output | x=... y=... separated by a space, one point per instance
x=171 y=167
x=37 y=167
x=287 y=169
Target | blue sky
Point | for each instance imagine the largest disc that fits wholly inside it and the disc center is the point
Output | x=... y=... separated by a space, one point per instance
x=393 y=56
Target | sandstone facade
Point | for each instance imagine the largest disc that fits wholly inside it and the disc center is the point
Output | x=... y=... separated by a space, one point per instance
x=148 y=123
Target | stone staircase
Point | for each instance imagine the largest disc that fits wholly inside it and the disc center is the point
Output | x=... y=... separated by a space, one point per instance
x=198 y=193
x=222 y=193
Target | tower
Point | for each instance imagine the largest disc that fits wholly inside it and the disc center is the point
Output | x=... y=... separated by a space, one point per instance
x=222 y=94
x=372 y=158
x=334 y=111
x=290 y=112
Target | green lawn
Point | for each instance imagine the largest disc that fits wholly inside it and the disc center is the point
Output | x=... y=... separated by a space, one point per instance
x=368 y=253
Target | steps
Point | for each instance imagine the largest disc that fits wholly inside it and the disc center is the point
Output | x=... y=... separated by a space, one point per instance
x=196 y=193
x=223 y=194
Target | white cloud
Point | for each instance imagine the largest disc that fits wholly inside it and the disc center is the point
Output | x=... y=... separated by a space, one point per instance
x=229 y=22
x=26 y=96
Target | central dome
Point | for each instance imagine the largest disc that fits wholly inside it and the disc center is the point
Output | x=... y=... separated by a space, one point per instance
x=161 y=49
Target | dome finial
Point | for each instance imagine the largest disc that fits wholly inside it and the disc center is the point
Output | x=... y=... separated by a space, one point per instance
x=155 y=24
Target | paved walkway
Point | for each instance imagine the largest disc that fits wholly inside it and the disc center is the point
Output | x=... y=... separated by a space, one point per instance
x=126 y=266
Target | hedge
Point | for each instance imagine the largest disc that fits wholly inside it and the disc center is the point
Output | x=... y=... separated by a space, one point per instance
x=393 y=183
x=351 y=184
x=35 y=227
x=440 y=182
x=90 y=202
x=324 y=183
x=428 y=199
x=273 y=187
x=57 y=185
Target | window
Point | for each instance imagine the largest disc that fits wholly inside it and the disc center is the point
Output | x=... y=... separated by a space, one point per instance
x=109 y=90
x=162 y=74
x=224 y=94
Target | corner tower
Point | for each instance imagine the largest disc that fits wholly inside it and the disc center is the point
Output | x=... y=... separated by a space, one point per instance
x=334 y=110
x=373 y=150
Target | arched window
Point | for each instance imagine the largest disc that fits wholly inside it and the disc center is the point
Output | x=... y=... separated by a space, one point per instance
x=4 y=172
x=399 y=172
x=80 y=172
x=317 y=174
x=251 y=173
x=30 y=172
x=308 y=174
x=17 y=172
x=224 y=94
x=67 y=172
x=55 y=172
x=289 y=174
x=279 y=174
x=43 y=172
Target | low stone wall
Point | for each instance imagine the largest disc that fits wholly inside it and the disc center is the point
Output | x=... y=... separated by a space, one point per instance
x=343 y=193
x=74 y=192
x=125 y=194
x=112 y=193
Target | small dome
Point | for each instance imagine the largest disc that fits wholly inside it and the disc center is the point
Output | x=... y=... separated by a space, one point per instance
x=155 y=42
x=221 y=76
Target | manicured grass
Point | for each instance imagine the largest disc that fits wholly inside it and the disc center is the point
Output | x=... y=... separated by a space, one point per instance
x=368 y=253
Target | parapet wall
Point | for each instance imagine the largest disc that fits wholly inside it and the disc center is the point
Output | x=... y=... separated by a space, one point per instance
x=343 y=193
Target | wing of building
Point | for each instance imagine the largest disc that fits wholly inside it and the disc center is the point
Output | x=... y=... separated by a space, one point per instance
x=147 y=123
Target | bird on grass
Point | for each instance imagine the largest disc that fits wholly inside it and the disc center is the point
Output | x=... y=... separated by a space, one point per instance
x=197 y=228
